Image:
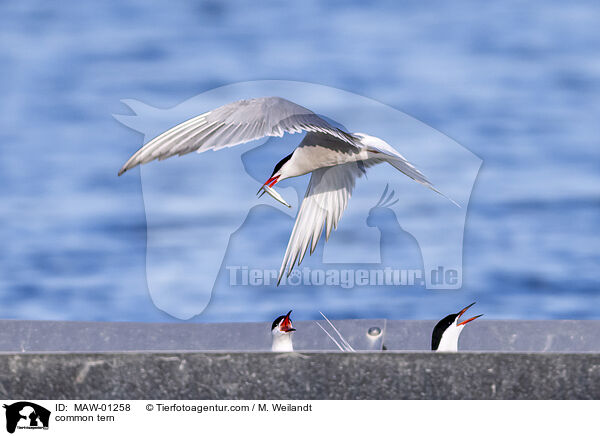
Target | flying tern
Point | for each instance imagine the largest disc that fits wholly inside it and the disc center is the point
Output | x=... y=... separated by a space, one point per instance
x=335 y=158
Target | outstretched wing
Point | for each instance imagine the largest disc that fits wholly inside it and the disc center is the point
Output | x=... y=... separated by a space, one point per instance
x=233 y=124
x=326 y=199
x=398 y=161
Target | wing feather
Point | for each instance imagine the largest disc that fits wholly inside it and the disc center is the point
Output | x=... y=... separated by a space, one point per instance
x=398 y=161
x=326 y=199
x=234 y=124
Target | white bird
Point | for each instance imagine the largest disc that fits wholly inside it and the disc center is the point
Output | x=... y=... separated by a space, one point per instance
x=446 y=332
x=281 y=331
x=334 y=157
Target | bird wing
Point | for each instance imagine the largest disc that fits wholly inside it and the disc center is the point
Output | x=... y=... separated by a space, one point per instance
x=394 y=158
x=398 y=161
x=326 y=199
x=234 y=124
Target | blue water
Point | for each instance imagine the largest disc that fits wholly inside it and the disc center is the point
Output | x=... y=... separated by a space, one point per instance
x=518 y=84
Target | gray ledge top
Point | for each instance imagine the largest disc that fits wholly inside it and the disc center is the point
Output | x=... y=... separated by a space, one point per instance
x=482 y=335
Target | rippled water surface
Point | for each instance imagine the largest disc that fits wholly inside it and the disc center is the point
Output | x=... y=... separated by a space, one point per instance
x=518 y=84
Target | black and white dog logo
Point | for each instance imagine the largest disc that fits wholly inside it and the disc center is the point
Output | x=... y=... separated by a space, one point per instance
x=26 y=415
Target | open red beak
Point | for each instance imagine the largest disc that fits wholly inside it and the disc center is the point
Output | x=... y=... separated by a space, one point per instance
x=286 y=324
x=268 y=188
x=270 y=183
x=468 y=320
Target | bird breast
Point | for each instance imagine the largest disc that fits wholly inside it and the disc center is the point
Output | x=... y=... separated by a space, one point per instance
x=308 y=158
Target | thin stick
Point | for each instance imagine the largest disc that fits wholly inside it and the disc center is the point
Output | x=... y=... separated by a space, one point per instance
x=330 y=337
x=344 y=341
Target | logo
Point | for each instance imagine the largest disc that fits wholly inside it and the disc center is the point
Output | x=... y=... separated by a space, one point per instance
x=26 y=415
x=208 y=231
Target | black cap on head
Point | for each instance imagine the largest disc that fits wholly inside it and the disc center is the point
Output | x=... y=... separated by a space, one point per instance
x=440 y=328
x=281 y=163
x=279 y=319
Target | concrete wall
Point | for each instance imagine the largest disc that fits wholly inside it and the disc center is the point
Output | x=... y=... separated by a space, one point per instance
x=87 y=360
x=375 y=375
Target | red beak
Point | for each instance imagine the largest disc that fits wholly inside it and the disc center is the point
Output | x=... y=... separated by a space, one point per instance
x=286 y=324
x=271 y=182
x=468 y=320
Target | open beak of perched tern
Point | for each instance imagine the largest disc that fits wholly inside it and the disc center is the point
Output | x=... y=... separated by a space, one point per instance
x=468 y=320
x=268 y=188
x=286 y=324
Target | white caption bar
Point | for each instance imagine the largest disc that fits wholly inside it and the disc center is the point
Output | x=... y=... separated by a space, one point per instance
x=299 y=417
